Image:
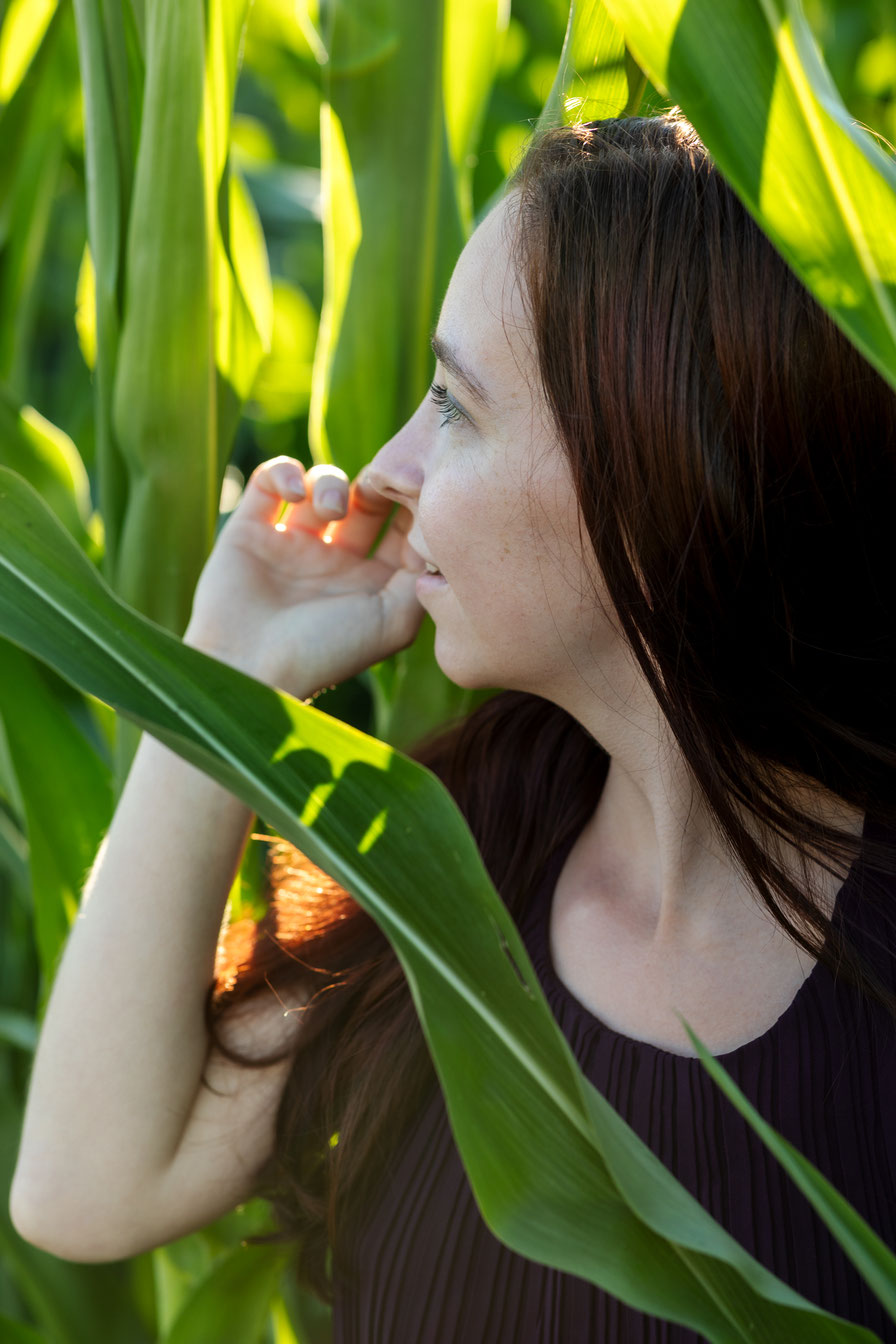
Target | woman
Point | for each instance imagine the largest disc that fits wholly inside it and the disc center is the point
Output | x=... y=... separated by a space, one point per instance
x=649 y=494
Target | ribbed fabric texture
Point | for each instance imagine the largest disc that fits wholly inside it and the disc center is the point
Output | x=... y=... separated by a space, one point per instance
x=426 y=1269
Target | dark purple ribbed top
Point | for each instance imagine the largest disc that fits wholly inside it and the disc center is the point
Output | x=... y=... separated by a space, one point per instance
x=426 y=1270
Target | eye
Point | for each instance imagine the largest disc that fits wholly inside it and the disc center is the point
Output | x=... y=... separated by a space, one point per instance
x=450 y=411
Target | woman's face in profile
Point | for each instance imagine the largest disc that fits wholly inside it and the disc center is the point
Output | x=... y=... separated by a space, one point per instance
x=481 y=470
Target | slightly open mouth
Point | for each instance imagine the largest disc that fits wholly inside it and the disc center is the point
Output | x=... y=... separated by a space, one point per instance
x=431 y=569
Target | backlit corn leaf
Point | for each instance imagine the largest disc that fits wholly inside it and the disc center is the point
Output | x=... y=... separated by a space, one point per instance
x=397 y=131
x=24 y=26
x=49 y=461
x=592 y=79
x=750 y=77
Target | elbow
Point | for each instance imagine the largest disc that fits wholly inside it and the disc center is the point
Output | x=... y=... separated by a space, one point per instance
x=46 y=1220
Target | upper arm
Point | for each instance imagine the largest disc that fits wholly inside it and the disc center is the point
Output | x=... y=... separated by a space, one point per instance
x=227 y=1138
x=230 y=1132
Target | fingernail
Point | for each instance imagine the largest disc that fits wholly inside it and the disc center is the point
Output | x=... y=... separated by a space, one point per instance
x=291 y=482
x=332 y=500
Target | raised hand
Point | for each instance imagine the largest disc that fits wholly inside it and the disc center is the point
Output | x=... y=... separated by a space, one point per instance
x=293 y=597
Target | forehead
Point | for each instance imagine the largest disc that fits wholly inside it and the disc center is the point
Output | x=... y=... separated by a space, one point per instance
x=484 y=317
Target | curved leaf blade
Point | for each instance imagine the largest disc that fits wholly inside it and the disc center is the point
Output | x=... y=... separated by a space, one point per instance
x=752 y=80
x=872 y=1258
x=45 y=455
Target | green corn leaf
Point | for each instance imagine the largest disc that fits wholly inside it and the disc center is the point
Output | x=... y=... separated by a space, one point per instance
x=41 y=452
x=592 y=78
x=17 y=1332
x=176 y=1268
x=28 y=226
x=71 y=1304
x=282 y=385
x=107 y=210
x=32 y=130
x=19 y=1030
x=473 y=29
x=138 y=18
x=23 y=90
x=342 y=237
x=752 y=80
x=300 y=1317
x=233 y=1302
x=245 y=309
x=872 y=1258
x=125 y=72
x=243 y=303
x=164 y=396
x=197 y=306
x=392 y=227
x=13 y=850
x=24 y=27
x=85 y=308
x=558 y=1175
x=54 y=766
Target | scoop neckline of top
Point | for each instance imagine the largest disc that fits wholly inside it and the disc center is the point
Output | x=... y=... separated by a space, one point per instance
x=552 y=980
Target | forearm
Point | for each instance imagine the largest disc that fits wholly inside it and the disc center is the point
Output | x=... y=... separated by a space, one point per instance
x=123 y=1044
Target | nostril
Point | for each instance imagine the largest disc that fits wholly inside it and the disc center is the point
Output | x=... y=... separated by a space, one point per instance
x=395 y=472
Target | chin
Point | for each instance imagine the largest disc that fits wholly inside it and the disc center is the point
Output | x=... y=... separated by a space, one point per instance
x=462 y=671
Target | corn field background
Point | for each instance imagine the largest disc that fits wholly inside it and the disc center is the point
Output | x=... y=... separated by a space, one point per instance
x=225 y=229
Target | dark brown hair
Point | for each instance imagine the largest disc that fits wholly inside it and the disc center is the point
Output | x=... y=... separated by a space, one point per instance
x=735 y=462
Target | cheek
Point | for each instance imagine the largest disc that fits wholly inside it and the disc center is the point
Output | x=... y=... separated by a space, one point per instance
x=460 y=519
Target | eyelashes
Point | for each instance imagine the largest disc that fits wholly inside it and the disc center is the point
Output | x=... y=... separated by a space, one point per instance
x=448 y=408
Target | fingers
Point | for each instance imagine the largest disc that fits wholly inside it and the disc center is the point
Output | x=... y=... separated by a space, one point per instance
x=322 y=499
x=279 y=481
x=313 y=498
x=326 y=500
x=367 y=512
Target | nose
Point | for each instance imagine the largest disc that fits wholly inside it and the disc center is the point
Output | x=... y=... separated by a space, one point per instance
x=397 y=469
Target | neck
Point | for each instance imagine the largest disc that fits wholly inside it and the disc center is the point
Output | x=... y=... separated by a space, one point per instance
x=652 y=840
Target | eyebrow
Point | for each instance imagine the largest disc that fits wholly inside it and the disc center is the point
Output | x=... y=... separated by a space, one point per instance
x=445 y=355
